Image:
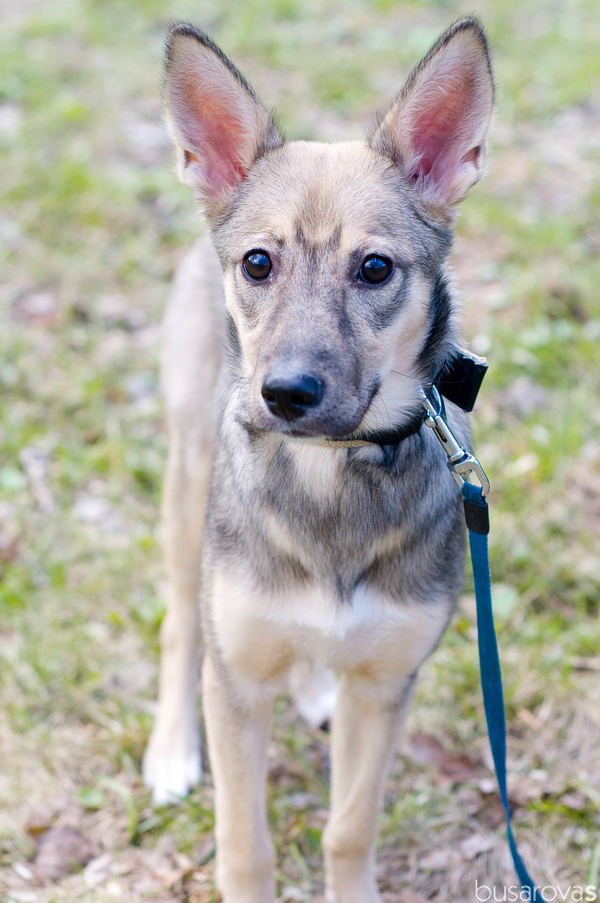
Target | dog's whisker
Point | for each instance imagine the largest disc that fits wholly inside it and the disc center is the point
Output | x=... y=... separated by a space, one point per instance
x=236 y=383
x=228 y=388
x=405 y=376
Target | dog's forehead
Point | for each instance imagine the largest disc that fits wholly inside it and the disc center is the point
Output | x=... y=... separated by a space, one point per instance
x=340 y=196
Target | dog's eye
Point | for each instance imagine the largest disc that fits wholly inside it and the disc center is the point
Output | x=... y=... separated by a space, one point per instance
x=257 y=265
x=376 y=269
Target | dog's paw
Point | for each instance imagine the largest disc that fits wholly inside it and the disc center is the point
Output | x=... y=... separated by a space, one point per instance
x=171 y=772
x=315 y=692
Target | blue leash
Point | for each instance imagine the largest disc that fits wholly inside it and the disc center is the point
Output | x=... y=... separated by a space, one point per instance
x=477 y=517
x=461 y=463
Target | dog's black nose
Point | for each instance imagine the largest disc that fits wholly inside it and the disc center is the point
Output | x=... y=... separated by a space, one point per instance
x=290 y=396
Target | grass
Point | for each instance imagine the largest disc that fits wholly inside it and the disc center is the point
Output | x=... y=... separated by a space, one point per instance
x=92 y=225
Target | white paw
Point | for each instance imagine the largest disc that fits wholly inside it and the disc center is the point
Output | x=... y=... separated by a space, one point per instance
x=171 y=773
x=315 y=691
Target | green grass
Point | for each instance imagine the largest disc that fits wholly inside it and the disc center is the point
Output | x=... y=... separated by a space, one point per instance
x=92 y=224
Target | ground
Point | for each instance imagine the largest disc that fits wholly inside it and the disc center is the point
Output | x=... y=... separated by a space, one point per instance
x=92 y=225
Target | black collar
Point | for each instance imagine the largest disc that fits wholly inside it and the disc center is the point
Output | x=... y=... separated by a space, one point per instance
x=384 y=437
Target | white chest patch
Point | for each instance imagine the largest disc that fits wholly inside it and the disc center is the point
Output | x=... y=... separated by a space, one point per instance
x=262 y=636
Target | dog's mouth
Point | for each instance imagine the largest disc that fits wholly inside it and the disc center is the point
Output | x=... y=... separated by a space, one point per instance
x=305 y=411
x=317 y=431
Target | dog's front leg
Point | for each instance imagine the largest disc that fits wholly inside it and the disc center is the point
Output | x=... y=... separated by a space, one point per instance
x=366 y=725
x=238 y=735
x=172 y=763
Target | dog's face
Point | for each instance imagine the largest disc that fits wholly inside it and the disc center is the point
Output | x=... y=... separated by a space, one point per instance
x=328 y=277
x=331 y=253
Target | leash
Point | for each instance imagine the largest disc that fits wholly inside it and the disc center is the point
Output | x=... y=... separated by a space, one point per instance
x=462 y=464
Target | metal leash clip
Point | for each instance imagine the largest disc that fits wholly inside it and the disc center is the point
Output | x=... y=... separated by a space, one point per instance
x=460 y=462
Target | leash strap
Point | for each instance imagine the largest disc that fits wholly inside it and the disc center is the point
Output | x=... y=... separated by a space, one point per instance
x=460 y=384
x=477 y=517
x=462 y=464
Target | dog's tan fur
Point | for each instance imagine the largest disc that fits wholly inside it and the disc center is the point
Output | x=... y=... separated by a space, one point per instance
x=315 y=557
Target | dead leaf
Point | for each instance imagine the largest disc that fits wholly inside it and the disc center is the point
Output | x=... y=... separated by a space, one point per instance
x=585 y=663
x=407 y=896
x=425 y=750
x=291 y=895
x=574 y=800
x=491 y=814
x=204 y=895
x=97 y=870
x=171 y=880
x=204 y=851
x=299 y=801
x=473 y=846
x=282 y=772
x=60 y=852
x=184 y=862
x=318 y=818
x=38 y=309
x=38 y=823
x=536 y=784
x=488 y=785
x=9 y=542
x=22 y=870
x=530 y=719
x=438 y=860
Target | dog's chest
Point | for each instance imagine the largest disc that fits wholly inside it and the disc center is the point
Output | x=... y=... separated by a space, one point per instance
x=262 y=635
x=321 y=512
x=345 y=509
x=293 y=515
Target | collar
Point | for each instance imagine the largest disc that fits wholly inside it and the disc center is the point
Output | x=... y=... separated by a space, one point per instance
x=380 y=437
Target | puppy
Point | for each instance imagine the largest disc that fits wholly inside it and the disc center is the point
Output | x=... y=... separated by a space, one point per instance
x=305 y=505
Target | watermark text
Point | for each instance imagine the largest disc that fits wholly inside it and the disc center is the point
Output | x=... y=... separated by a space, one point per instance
x=550 y=893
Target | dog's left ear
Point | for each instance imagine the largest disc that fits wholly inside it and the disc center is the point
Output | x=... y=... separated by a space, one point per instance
x=437 y=128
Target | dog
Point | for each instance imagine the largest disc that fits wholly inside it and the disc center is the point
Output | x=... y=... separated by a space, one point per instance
x=305 y=505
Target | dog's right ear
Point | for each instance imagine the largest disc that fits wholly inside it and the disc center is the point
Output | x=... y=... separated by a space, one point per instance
x=218 y=124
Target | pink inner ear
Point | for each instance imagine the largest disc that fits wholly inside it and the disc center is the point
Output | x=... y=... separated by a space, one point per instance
x=439 y=130
x=215 y=137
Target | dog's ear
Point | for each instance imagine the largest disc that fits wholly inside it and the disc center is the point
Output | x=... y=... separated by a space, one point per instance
x=436 y=129
x=218 y=124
